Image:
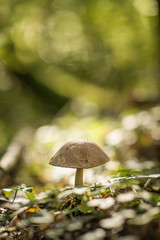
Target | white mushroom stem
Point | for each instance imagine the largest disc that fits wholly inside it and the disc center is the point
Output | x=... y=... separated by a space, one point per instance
x=79 y=177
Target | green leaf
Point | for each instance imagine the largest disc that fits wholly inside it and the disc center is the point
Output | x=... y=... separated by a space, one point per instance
x=155 y=199
x=29 y=192
x=84 y=208
x=69 y=211
x=124 y=172
x=8 y=191
x=31 y=196
x=136 y=172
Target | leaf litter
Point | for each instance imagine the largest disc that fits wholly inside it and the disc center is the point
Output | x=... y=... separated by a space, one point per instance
x=89 y=212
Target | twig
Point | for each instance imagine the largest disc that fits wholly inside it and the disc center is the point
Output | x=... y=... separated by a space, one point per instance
x=147 y=178
x=147 y=183
x=15 y=194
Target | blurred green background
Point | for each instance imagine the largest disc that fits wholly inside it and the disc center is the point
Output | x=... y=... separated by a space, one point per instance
x=72 y=69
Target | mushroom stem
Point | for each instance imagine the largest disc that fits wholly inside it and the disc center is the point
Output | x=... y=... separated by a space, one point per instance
x=79 y=177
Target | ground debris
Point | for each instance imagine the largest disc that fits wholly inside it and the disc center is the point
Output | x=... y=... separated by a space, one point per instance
x=98 y=212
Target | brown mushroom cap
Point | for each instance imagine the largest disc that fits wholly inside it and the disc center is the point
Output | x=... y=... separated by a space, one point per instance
x=79 y=154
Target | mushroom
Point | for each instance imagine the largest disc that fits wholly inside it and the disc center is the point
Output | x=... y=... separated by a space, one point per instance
x=79 y=154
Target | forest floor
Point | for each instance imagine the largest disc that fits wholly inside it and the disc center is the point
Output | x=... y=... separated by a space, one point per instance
x=125 y=208
x=125 y=205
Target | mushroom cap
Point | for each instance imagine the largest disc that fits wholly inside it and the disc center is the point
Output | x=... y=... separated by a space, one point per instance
x=79 y=154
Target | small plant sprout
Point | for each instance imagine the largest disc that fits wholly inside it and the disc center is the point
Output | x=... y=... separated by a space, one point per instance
x=79 y=154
